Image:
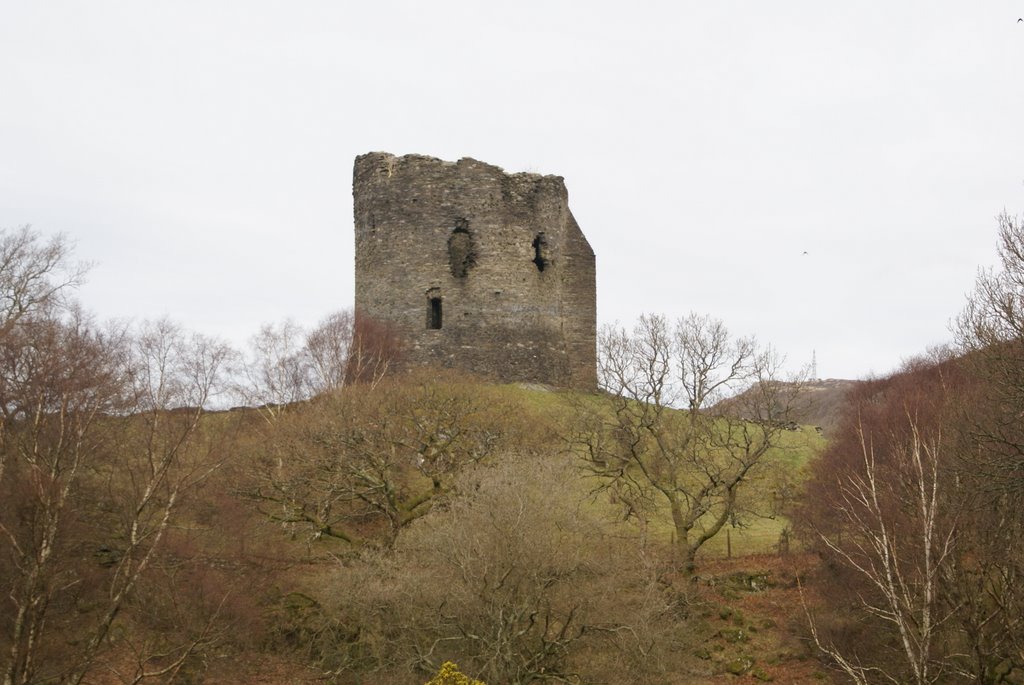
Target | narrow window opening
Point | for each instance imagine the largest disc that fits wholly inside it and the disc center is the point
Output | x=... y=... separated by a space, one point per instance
x=540 y=252
x=434 y=314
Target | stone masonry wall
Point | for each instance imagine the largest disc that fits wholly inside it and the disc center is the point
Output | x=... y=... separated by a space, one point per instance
x=476 y=269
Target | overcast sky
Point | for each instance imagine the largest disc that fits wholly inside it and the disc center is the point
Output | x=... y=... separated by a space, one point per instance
x=200 y=153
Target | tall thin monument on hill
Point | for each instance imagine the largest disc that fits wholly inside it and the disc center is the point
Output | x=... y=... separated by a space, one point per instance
x=476 y=269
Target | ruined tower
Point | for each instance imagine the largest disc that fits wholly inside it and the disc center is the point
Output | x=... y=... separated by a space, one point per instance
x=476 y=269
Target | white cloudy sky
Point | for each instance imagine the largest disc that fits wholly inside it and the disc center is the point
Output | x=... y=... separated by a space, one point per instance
x=200 y=153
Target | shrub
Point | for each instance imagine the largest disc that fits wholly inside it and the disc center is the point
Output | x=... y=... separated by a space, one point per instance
x=450 y=675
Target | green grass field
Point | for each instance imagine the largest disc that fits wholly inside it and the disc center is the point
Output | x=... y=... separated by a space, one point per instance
x=753 y=534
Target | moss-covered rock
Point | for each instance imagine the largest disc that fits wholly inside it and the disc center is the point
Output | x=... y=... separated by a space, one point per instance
x=734 y=635
x=739 y=665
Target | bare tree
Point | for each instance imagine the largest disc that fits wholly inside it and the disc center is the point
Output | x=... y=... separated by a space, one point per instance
x=522 y=587
x=56 y=378
x=990 y=332
x=289 y=365
x=695 y=460
x=278 y=372
x=864 y=496
x=363 y=457
x=61 y=378
x=329 y=347
x=156 y=459
x=995 y=312
x=902 y=552
x=33 y=274
x=349 y=347
x=103 y=431
x=375 y=351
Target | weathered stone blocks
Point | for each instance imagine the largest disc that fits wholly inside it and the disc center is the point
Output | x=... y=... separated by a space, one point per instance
x=476 y=269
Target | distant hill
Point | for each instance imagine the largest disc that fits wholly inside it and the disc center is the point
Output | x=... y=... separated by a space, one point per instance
x=821 y=402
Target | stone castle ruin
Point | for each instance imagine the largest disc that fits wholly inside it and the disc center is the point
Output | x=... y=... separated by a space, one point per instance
x=476 y=269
